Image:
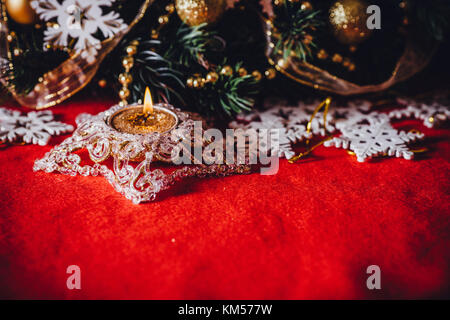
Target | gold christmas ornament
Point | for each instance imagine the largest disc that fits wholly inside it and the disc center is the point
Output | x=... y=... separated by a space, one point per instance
x=348 y=20
x=417 y=54
x=20 y=11
x=195 y=12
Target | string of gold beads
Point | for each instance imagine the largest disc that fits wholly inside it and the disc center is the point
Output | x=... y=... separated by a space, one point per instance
x=163 y=20
x=337 y=58
x=125 y=78
x=307 y=39
x=197 y=81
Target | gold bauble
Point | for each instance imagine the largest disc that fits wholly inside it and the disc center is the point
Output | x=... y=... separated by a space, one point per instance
x=348 y=19
x=195 y=12
x=20 y=11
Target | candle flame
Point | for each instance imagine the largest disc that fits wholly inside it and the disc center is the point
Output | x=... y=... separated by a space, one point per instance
x=148 y=102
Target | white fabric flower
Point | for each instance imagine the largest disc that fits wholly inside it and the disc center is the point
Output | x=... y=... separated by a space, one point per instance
x=79 y=20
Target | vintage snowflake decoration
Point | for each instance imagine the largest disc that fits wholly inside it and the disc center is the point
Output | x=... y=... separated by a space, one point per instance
x=301 y=115
x=431 y=113
x=79 y=20
x=290 y=122
x=375 y=138
x=35 y=127
x=367 y=133
x=354 y=112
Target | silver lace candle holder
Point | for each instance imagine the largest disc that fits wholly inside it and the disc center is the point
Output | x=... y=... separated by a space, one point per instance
x=132 y=154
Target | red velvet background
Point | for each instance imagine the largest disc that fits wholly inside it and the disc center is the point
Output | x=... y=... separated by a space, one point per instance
x=308 y=232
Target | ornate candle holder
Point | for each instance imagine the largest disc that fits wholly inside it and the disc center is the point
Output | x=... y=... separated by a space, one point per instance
x=127 y=135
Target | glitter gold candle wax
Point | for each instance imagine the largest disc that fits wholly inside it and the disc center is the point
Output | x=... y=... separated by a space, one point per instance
x=144 y=119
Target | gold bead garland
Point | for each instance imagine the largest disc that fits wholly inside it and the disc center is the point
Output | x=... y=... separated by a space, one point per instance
x=337 y=58
x=270 y=73
x=163 y=20
x=198 y=82
x=257 y=75
x=242 y=72
x=321 y=54
x=226 y=71
x=126 y=78
x=212 y=77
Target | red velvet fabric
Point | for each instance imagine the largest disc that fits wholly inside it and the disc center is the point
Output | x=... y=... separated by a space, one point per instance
x=309 y=231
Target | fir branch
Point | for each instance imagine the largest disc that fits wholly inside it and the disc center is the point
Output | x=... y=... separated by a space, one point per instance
x=433 y=16
x=153 y=70
x=188 y=44
x=230 y=94
x=294 y=26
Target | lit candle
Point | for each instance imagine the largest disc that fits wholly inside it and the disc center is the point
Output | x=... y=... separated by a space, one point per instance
x=144 y=119
x=148 y=102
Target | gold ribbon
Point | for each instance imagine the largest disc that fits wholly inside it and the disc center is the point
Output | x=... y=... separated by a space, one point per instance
x=69 y=77
x=326 y=105
x=417 y=54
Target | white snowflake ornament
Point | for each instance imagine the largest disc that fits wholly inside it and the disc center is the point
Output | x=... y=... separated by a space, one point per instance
x=301 y=115
x=376 y=138
x=79 y=20
x=35 y=127
x=289 y=132
x=353 y=113
x=431 y=114
x=291 y=122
